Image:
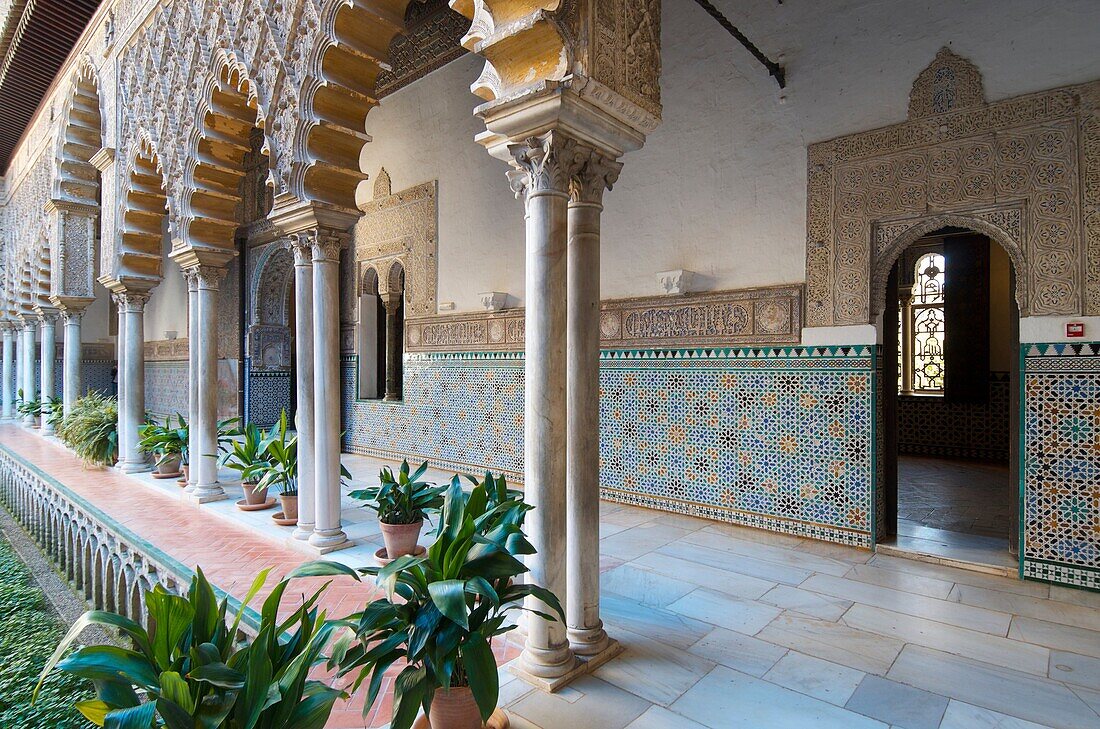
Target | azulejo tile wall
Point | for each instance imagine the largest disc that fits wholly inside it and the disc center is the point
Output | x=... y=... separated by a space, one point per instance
x=166 y=386
x=1061 y=452
x=779 y=438
x=267 y=393
x=933 y=426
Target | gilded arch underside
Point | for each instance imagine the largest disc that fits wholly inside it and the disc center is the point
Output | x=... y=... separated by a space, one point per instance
x=1027 y=169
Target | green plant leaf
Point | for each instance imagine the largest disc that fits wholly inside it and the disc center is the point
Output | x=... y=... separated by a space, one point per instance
x=175 y=689
x=171 y=616
x=408 y=693
x=95 y=617
x=449 y=597
x=106 y=662
x=173 y=715
x=481 y=671
x=134 y=717
x=218 y=674
x=323 y=568
x=314 y=710
x=94 y=710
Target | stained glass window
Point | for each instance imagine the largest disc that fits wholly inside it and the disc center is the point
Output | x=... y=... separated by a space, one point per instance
x=927 y=328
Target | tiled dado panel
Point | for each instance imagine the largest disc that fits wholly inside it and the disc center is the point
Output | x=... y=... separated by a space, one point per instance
x=166 y=388
x=267 y=394
x=1061 y=501
x=778 y=438
x=933 y=426
x=97 y=374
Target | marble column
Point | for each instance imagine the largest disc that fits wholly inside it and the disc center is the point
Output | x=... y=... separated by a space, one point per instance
x=71 y=374
x=131 y=410
x=48 y=317
x=542 y=180
x=585 y=629
x=392 y=303
x=327 y=532
x=303 y=353
x=120 y=368
x=17 y=345
x=192 y=278
x=29 y=386
x=204 y=462
x=7 y=394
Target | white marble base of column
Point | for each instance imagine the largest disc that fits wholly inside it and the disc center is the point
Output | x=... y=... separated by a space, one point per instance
x=135 y=466
x=588 y=641
x=581 y=666
x=329 y=540
x=199 y=495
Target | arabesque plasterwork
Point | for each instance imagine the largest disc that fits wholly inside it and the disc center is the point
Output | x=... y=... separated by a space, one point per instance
x=1025 y=171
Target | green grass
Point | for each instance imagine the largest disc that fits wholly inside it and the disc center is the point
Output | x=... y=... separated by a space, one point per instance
x=29 y=633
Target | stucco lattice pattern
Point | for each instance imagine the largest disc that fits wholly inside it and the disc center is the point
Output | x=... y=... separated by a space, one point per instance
x=776 y=438
x=1062 y=463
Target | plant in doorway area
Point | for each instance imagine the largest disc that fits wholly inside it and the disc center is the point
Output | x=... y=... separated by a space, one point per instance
x=167 y=443
x=442 y=611
x=189 y=667
x=402 y=501
x=248 y=456
x=91 y=429
x=29 y=407
x=277 y=469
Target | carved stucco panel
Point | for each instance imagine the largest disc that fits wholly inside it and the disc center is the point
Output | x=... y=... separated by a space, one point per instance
x=1016 y=160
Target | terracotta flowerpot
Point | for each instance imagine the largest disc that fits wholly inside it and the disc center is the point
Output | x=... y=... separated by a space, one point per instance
x=455 y=709
x=170 y=464
x=252 y=496
x=290 y=506
x=400 y=539
x=186 y=471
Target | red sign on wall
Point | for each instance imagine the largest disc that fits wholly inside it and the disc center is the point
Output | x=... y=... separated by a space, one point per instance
x=1075 y=329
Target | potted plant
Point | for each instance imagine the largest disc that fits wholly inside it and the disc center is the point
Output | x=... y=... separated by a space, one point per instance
x=402 y=502
x=167 y=443
x=442 y=611
x=278 y=470
x=189 y=669
x=91 y=429
x=29 y=408
x=54 y=412
x=248 y=456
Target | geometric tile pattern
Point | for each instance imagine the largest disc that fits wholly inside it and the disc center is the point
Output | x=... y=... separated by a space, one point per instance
x=779 y=438
x=166 y=388
x=267 y=395
x=935 y=426
x=98 y=375
x=1061 y=502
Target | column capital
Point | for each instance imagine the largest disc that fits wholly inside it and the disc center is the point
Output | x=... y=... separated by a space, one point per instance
x=72 y=314
x=47 y=314
x=596 y=173
x=545 y=164
x=301 y=245
x=131 y=302
x=205 y=277
x=72 y=304
x=325 y=243
x=391 y=300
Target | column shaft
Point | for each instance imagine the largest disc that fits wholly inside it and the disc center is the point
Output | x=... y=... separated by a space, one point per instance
x=303 y=364
x=327 y=532
x=29 y=385
x=585 y=629
x=193 y=415
x=49 y=355
x=17 y=385
x=6 y=394
x=73 y=380
x=120 y=368
x=392 y=340
x=132 y=410
x=205 y=462
x=546 y=652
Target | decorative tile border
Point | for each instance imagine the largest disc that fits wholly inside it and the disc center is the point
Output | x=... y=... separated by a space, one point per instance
x=771 y=315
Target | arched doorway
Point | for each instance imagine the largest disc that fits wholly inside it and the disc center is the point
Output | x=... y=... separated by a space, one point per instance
x=950 y=389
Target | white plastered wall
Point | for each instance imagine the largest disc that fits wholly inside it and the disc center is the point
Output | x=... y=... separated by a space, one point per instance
x=720 y=187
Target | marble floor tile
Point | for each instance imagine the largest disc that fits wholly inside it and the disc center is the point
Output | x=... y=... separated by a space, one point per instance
x=714 y=578
x=951 y=639
x=791 y=557
x=658 y=717
x=964 y=616
x=638 y=540
x=1033 y=607
x=899 y=705
x=1056 y=635
x=653 y=670
x=1000 y=689
x=726 y=699
x=725 y=611
x=960 y=715
x=904 y=581
x=738 y=651
x=960 y=576
x=834 y=642
x=1073 y=668
x=601 y=706
x=644 y=586
x=758 y=568
x=823 y=680
x=663 y=625
x=1089 y=696
x=809 y=603
x=1075 y=597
